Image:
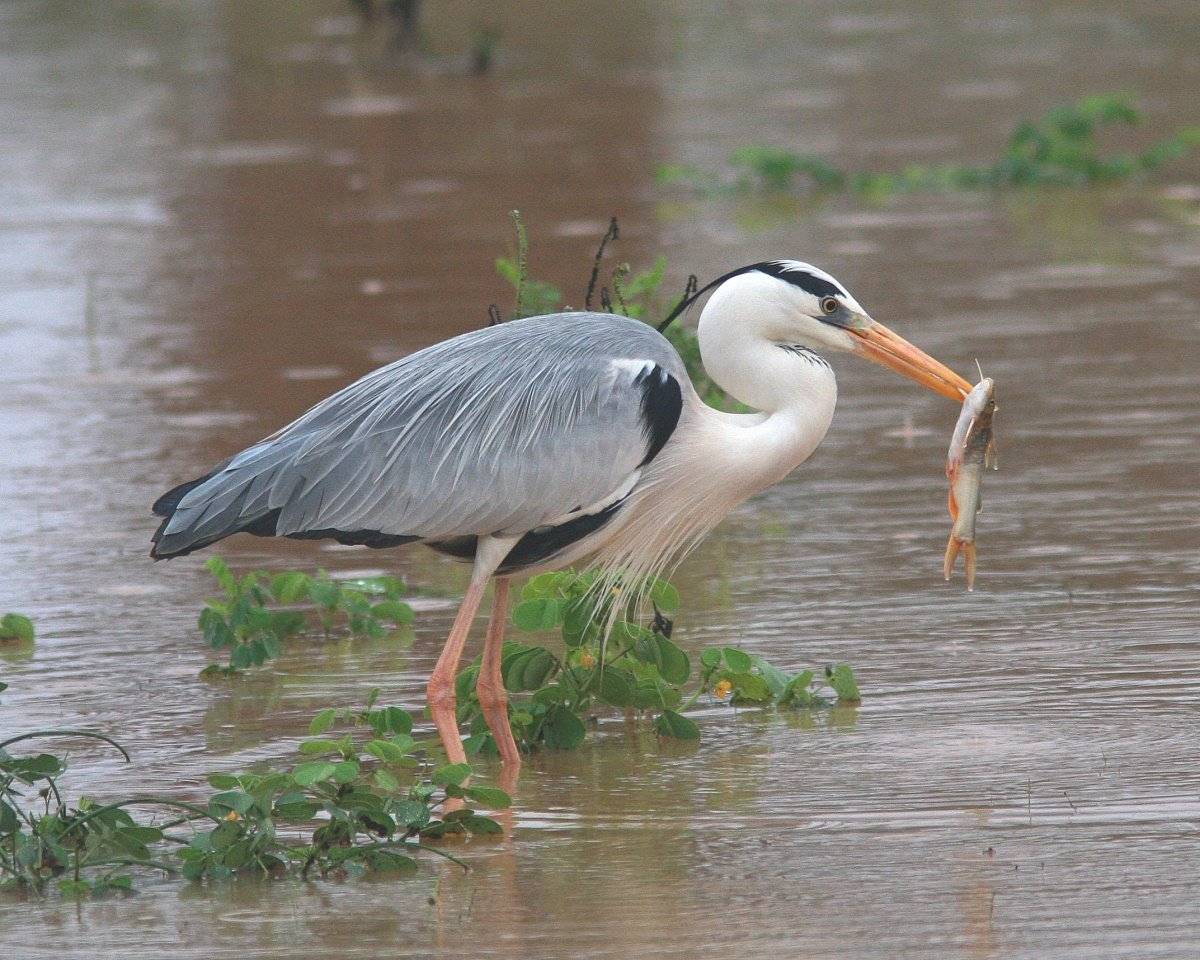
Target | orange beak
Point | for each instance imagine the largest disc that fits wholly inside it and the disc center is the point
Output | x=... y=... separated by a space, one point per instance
x=876 y=342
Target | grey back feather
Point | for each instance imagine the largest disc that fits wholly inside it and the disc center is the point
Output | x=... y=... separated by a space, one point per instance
x=500 y=429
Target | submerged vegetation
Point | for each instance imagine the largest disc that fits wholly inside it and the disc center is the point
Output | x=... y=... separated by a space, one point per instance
x=258 y=611
x=638 y=670
x=363 y=797
x=1059 y=149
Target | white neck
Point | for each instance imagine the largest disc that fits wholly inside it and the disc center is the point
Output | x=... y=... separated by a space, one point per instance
x=743 y=339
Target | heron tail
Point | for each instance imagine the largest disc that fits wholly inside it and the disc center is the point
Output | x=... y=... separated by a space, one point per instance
x=209 y=515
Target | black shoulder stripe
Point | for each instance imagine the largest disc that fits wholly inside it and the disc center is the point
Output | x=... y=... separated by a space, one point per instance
x=534 y=547
x=662 y=403
x=544 y=543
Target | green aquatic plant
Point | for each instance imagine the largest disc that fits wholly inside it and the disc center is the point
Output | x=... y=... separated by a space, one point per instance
x=84 y=848
x=364 y=796
x=16 y=628
x=533 y=297
x=638 y=669
x=259 y=611
x=1061 y=148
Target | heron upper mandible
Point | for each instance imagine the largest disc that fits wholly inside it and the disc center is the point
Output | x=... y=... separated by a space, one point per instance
x=549 y=441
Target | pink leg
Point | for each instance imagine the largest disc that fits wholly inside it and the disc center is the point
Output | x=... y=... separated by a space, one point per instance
x=490 y=688
x=440 y=691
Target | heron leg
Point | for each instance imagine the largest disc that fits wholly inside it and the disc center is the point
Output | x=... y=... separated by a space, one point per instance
x=489 y=554
x=440 y=691
x=493 y=700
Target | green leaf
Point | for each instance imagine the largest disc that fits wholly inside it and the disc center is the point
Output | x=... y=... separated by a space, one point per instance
x=385 y=780
x=236 y=800
x=14 y=626
x=527 y=668
x=562 y=729
x=411 y=813
x=736 y=660
x=345 y=771
x=749 y=688
x=578 y=620
x=223 y=781
x=664 y=596
x=226 y=580
x=386 y=751
x=241 y=657
x=391 y=720
x=324 y=593
x=286 y=623
x=672 y=724
x=776 y=679
x=289 y=587
x=216 y=630
x=394 y=611
x=544 y=585
x=389 y=861
x=142 y=835
x=652 y=648
x=797 y=692
x=481 y=826
x=295 y=807
x=673 y=663
x=451 y=773
x=8 y=819
x=491 y=797
x=322 y=721
x=841 y=678
x=311 y=747
x=544 y=613
x=306 y=774
x=648 y=695
x=617 y=687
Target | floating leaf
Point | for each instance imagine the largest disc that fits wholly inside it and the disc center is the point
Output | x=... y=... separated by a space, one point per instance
x=672 y=724
x=841 y=678
x=490 y=797
x=394 y=611
x=563 y=730
x=14 y=626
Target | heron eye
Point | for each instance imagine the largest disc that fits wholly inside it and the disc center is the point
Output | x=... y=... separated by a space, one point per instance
x=829 y=304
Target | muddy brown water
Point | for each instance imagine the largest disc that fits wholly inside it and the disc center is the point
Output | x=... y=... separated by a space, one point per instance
x=213 y=214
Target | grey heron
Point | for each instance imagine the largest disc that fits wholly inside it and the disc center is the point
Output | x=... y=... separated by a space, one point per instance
x=550 y=441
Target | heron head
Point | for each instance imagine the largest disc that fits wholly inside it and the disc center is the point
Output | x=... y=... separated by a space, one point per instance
x=796 y=303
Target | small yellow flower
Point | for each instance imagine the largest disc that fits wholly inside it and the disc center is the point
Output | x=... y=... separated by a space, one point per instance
x=586 y=659
x=723 y=689
x=232 y=815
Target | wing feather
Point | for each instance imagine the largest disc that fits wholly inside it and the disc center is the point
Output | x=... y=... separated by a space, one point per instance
x=501 y=429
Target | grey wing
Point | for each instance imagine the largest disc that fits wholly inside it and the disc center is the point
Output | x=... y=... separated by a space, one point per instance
x=501 y=430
